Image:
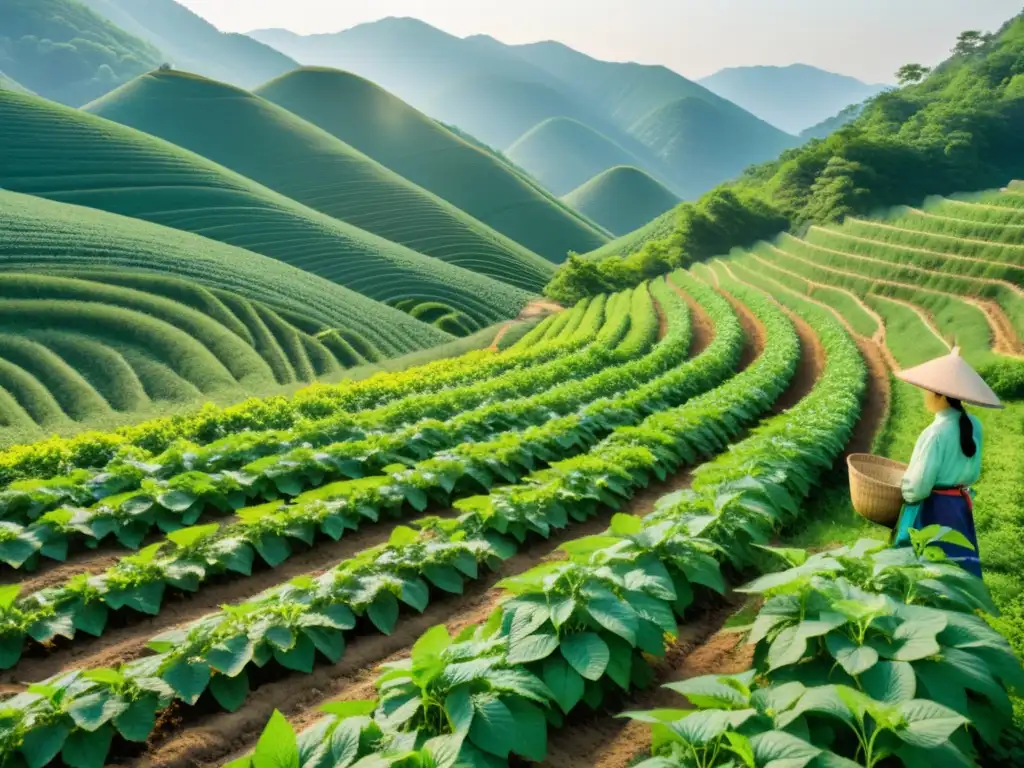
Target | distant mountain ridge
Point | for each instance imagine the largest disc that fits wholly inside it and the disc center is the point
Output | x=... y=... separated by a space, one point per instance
x=793 y=98
x=500 y=93
x=191 y=43
x=622 y=199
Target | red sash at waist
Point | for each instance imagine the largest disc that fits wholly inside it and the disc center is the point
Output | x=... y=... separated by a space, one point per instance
x=959 y=491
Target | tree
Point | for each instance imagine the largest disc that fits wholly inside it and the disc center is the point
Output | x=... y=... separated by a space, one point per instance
x=909 y=74
x=970 y=42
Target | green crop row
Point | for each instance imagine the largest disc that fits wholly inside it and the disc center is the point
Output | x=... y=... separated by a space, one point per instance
x=293 y=623
x=923 y=229
x=57 y=456
x=193 y=555
x=186 y=465
x=960 y=256
x=975 y=210
x=352 y=449
x=577 y=630
x=863 y=655
x=1005 y=294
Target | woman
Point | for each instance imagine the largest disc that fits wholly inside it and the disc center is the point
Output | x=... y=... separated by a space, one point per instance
x=947 y=457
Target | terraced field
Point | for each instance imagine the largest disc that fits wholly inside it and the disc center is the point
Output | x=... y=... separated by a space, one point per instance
x=315 y=169
x=197 y=590
x=70 y=156
x=421 y=150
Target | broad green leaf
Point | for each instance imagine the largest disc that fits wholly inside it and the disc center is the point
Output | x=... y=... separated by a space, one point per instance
x=42 y=744
x=740 y=746
x=778 y=749
x=459 y=708
x=176 y=501
x=300 y=658
x=91 y=618
x=330 y=642
x=230 y=656
x=352 y=708
x=186 y=537
x=403 y=535
x=188 y=678
x=344 y=746
x=561 y=611
x=532 y=648
x=84 y=749
x=531 y=730
x=431 y=644
x=928 y=724
x=616 y=617
x=383 y=612
x=273 y=549
x=890 y=681
x=564 y=682
x=95 y=709
x=493 y=729
x=8 y=594
x=587 y=653
x=139 y=720
x=704 y=726
x=277 y=747
x=787 y=648
x=710 y=692
x=230 y=692
x=855 y=659
x=281 y=638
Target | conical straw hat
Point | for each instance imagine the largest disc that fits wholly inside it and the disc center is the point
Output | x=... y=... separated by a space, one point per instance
x=951 y=376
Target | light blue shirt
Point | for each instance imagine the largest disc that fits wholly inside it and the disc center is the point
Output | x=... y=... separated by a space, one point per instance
x=939 y=460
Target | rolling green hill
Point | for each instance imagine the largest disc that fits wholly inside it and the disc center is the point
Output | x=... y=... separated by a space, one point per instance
x=75 y=157
x=62 y=50
x=562 y=154
x=793 y=98
x=421 y=150
x=190 y=42
x=106 y=319
x=703 y=145
x=9 y=84
x=622 y=199
x=316 y=169
x=38 y=235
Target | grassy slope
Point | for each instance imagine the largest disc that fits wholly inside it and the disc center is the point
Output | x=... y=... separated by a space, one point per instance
x=316 y=169
x=703 y=144
x=419 y=149
x=792 y=98
x=562 y=154
x=40 y=235
x=75 y=157
x=62 y=50
x=9 y=84
x=190 y=42
x=622 y=199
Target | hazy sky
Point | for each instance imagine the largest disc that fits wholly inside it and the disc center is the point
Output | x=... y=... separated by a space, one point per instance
x=869 y=39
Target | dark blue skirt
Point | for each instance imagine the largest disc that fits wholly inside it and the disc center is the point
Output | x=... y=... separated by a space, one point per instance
x=953 y=511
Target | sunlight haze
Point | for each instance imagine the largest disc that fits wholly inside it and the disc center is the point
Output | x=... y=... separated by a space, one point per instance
x=868 y=39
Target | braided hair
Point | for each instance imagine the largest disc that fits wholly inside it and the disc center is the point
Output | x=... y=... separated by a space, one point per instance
x=967 y=444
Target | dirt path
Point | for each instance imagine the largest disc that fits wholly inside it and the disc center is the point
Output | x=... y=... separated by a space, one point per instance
x=995 y=315
x=702 y=330
x=1004 y=338
x=536 y=308
x=606 y=741
x=602 y=740
x=925 y=317
x=119 y=645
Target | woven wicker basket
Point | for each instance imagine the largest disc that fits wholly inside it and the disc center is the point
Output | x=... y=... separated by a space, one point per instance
x=875 y=487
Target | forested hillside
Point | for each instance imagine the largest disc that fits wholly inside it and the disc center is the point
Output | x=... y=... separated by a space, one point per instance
x=957 y=130
x=191 y=43
x=64 y=51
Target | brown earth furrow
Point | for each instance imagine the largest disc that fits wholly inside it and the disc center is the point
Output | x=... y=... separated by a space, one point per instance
x=1004 y=338
x=52 y=573
x=995 y=316
x=606 y=741
x=222 y=736
x=120 y=646
x=925 y=317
